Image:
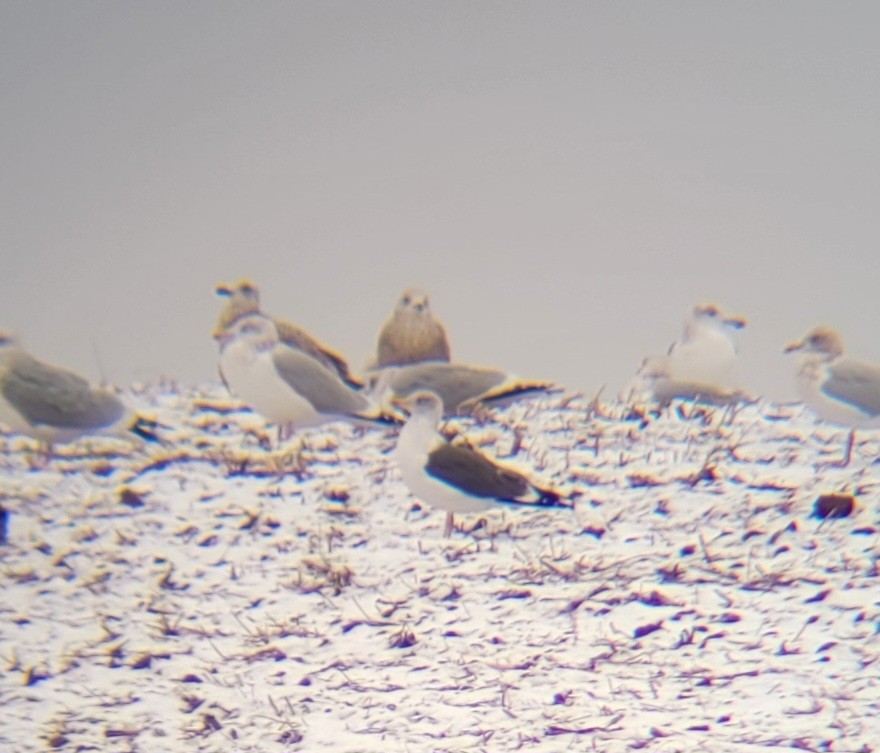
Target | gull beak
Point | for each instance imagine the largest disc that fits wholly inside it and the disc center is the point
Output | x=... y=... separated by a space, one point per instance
x=737 y=322
x=793 y=346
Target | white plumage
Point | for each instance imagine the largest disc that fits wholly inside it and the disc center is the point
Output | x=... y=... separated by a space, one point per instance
x=286 y=385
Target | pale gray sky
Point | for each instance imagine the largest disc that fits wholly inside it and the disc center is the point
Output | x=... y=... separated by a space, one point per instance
x=564 y=178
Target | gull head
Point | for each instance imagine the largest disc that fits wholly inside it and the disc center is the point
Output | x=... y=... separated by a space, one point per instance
x=379 y=385
x=709 y=313
x=822 y=341
x=254 y=330
x=423 y=405
x=244 y=289
x=413 y=300
x=242 y=299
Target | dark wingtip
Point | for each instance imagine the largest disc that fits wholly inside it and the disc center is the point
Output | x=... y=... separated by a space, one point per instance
x=547 y=499
x=552 y=498
x=513 y=392
x=389 y=418
x=380 y=420
x=352 y=381
x=145 y=428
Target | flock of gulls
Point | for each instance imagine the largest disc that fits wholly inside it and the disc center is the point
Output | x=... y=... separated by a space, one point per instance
x=295 y=382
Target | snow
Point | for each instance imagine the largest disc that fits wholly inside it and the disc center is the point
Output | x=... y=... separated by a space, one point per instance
x=215 y=594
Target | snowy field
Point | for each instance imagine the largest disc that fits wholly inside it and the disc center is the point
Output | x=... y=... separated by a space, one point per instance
x=216 y=595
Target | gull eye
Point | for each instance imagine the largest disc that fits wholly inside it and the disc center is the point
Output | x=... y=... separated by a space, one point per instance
x=405 y=300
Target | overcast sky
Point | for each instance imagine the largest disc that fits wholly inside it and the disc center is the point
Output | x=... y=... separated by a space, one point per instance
x=564 y=178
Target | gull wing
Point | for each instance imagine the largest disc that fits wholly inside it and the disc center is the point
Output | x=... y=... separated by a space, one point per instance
x=297 y=338
x=474 y=474
x=317 y=384
x=856 y=383
x=453 y=383
x=45 y=394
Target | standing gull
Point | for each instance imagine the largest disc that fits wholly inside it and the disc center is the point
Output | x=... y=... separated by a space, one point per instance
x=457 y=478
x=286 y=385
x=702 y=363
x=412 y=334
x=243 y=298
x=839 y=389
x=53 y=405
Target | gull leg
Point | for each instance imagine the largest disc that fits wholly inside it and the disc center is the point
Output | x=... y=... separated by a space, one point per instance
x=729 y=414
x=447 y=530
x=288 y=461
x=42 y=455
x=850 y=440
x=285 y=432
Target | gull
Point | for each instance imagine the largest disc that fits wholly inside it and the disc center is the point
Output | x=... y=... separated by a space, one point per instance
x=459 y=386
x=705 y=351
x=457 y=478
x=243 y=298
x=839 y=389
x=54 y=405
x=658 y=375
x=284 y=384
x=702 y=363
x=412 y=334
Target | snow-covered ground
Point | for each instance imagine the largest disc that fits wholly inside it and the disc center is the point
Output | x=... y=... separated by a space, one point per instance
x=215 y=595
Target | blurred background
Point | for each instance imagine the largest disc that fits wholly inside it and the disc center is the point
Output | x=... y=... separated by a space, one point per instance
x=565 y=179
